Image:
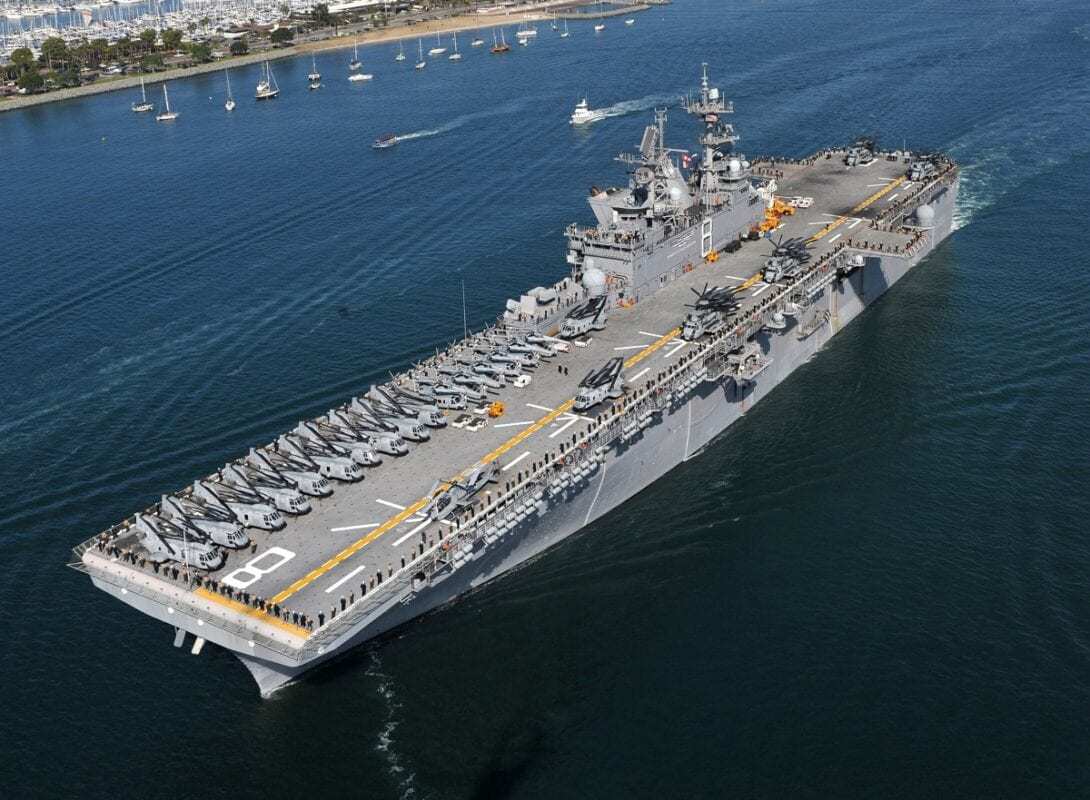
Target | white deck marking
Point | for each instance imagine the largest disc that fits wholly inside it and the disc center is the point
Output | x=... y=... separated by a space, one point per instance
x=512 y=424
x=515 y=461
x=869 y=185
x=569 y=420
x=368 y=526
x=640 y=374
x=735 y=278
x=853 y=225
x=346 y=578
x=892 y=197
x=631 y=347
x=764 y=286
x=834 y=238
x=674 y=349
x=413 y=532
x=539 y=408
x=819 y=222
x=648 y=333
x=388 y=504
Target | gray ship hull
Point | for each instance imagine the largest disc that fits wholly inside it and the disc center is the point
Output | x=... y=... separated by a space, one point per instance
x=682 y=433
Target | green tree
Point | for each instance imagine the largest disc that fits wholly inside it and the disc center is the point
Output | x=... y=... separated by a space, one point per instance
x=321 y=15
x=205 y=22
x=172 y=39
x=100 y=51
x=282 y=36
x=54 y=51
x=124 y=47
x=151 y=62
x=201 y=53
x=240 y=47
x=23 y=58
x=30 y=81
x=147 y=38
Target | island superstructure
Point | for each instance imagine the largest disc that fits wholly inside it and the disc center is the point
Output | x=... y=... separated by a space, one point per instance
x=675 y=317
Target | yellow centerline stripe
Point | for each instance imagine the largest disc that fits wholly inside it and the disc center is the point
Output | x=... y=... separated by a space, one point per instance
x=836 y=223
x=401 y=516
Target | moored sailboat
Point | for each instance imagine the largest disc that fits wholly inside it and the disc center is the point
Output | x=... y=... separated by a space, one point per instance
x=143 y=105
x=168 y=115
x=266 y=88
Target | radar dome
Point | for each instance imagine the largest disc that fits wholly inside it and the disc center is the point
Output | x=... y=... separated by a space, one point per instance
x=713 y=93
x=675 y=193
x=735 y=165
x=594 y=281
x=925 y=216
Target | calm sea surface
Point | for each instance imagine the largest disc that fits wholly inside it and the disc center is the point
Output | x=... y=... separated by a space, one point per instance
x=873 y=586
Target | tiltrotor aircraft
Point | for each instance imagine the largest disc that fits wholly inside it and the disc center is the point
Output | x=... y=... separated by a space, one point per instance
x=600 y=384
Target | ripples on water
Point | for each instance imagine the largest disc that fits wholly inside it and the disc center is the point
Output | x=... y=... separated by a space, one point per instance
x=873 y=585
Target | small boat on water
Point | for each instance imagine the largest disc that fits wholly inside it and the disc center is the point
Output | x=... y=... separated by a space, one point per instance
x=266 y=88
x=168 y=115
x=630 y=21
x=564 y=34
x=314 y=75
x=384 y=141
x=584 y=114
x=599 y=27
x=438 y=50
x=421 y=63
x=401 y=52
x=230 y=102
x=478 y=42
x=143 y=105
x=314 y=85
x=525 y=32
x=501 y=46
x=455 y=56
x=354 y=64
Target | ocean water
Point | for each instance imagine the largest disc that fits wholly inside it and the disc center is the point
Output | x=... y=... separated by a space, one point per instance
x=873 y=586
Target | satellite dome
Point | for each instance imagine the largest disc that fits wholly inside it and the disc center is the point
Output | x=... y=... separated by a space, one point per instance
x=594 y=281
x=713 y=93
x=675 y=193
x=735 y=165
x=925 y=216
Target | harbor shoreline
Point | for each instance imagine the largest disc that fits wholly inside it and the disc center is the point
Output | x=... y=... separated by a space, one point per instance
x=462 y=22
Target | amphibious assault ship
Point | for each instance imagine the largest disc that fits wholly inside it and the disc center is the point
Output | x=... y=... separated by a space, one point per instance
x=704 y=282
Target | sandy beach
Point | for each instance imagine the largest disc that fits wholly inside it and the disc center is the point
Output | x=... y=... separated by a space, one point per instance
x=461 y=22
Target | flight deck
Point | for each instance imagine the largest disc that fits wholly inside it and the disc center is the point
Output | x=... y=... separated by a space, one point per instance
x=365 y=532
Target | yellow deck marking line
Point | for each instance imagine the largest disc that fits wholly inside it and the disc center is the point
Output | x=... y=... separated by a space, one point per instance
x=836 y=223
x=264 y=616
x=396 y=520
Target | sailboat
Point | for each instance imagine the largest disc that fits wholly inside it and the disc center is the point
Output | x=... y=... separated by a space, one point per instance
x=266 y=88
x=421 y=63
x=564 y=34
x=357 y=76
x=400 y=53
x=143 y=105
x=314 y=76
x=455 y=56
x=168 y=115
x=354 y=64
x=525 y=32
x=438 y=50
x=502 y=46
x=630 y=21
x=601 y=26
x=230 y=104
x=555 y=26
x=477 y=42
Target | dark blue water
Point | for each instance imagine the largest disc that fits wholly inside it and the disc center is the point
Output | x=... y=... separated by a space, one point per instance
x=874 y=586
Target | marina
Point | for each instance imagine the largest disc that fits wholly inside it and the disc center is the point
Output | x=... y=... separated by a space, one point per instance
x=868 y=584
